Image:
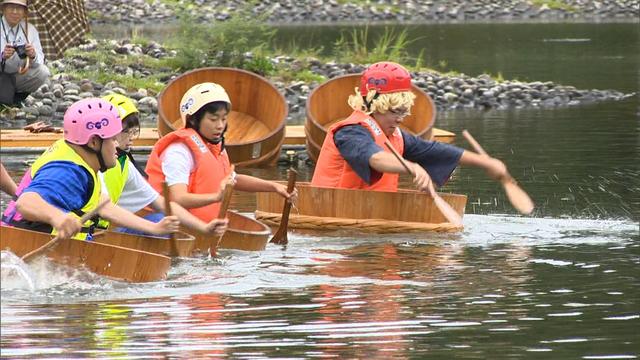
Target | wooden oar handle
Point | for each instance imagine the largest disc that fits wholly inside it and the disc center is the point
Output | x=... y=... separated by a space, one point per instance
x=46 y=246
x=224 y=206
x=447 y=211
x=167 y=199
x=399 y=157
x=291 y=184
x=167 y=212
x=226 y=200
x=476 y=146
x=517 y=197
x=280 y=237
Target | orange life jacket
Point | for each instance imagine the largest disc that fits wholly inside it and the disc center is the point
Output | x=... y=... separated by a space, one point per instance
x=211 y=166
x=332 y=170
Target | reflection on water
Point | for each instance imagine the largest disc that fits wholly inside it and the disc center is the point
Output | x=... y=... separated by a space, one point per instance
x=562 y=284
x=524 y=285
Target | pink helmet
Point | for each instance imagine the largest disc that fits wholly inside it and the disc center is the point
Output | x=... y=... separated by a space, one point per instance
x=89 y=117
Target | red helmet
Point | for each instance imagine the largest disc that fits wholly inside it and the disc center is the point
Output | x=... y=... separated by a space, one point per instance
x=385 y=77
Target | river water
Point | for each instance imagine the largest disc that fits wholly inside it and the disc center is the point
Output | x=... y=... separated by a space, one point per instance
x=561 y=284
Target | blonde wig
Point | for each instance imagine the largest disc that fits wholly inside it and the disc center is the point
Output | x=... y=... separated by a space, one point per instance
x=383 y=103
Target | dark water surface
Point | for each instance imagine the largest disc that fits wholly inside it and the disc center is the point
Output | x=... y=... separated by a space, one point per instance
x=562 y=284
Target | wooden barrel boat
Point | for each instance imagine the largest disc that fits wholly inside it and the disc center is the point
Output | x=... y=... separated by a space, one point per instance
x=243 y=233
x=115 y=262
x=375 y=211
x=257 y=119
x=327 y=104
x=157 y=245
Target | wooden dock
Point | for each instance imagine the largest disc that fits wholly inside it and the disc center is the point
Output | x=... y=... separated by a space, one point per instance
x=18 y=138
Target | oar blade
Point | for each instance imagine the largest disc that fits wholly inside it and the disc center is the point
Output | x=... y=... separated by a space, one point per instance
x=449 y=213
x=518 y=198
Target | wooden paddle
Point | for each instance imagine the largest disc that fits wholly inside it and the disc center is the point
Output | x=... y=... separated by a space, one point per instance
x=280 y=237
x=449 y=213
x=53 y=241
x=518 y=197
x=168 y=212
x=224 y=206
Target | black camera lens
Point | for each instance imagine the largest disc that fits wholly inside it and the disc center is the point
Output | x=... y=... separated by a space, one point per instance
x=21 y=51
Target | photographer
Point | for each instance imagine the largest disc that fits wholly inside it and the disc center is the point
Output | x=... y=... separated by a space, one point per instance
x=19 y=40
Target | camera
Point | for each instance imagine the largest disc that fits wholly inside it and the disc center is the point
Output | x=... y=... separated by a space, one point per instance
x=21 y=51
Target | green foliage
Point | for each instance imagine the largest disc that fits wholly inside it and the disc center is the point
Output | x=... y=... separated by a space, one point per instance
x=307 y=76
x=260 y=64
x=151 y=83
x=554 y=4
x=102 y=63
x=95 y=15
x=358 y=47
x=221 y=44
x=295 y=50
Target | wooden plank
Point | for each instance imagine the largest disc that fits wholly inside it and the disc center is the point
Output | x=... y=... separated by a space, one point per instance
x=403 y=205
x=149 y=136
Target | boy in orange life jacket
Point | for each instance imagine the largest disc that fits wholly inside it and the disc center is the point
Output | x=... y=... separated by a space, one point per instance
x=353 y=155
x=193 y=160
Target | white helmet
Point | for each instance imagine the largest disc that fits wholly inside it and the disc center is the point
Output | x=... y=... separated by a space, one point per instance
x=200 y=95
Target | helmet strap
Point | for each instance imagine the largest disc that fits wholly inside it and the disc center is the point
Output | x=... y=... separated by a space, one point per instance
x=368 y=103
x=98 y=153
x=220 y=139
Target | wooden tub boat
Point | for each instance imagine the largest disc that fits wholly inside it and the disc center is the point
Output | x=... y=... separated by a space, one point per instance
x=327 y=104
x=243 y=233
x=115 y=262
x=257 y=119
x=185 y=243
x=375 y=211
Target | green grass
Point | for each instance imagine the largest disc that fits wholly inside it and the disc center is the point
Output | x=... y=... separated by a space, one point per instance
x=306 y=76
x=359 y=47
x=151 y=83
x=554 y=4
x=227 y=43
x=220 y=44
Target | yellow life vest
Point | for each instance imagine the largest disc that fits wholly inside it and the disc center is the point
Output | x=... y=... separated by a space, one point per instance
x=115 y=179
x=61 y=151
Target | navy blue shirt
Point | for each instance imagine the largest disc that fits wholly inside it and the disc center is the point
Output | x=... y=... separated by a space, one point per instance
x=62 y=184
x=356 y=145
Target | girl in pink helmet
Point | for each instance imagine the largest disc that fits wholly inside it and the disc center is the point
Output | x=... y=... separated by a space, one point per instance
x=353 y=155
x=62 y=184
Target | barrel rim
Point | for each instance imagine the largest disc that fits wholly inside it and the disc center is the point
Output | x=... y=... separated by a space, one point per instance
x=265 y=229
x=281 y=97
x=414 y=87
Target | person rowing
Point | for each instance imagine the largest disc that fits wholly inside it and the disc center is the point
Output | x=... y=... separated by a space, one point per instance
x=354 y=156
x=62 y=184
x=128 y=188
x=193 y=160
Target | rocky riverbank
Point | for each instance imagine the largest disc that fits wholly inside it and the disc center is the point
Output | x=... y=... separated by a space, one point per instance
x=449 y=92
x=331 y=11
